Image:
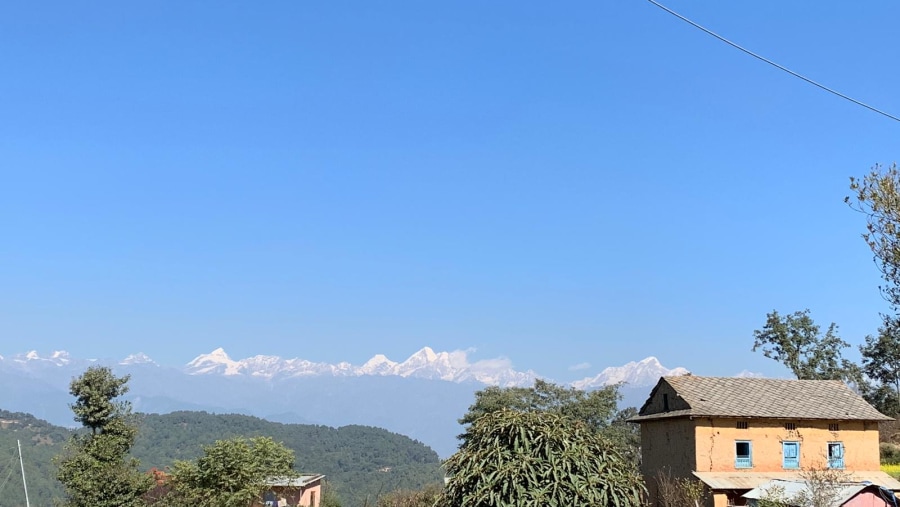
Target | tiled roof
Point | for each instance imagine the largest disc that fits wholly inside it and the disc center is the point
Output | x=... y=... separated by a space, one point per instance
x=295 y=481
x=764 y=398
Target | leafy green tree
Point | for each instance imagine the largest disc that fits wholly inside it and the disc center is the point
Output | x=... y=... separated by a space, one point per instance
x=425 y=497
x=881 y=396
x=95 y=468
x=539 y=458
x=877 y=196
x=329 y=496
x=95 y=392
x=353 y=458
x=625 y=434
x=797 y=342
x=881 y=363
x=231 y=473
x=596 y=409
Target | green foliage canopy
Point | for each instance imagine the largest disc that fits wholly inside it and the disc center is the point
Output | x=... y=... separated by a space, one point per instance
x=231 y=473
x=95 y=391
x=594 y=408
x=539 y=458
x=796 y=341
x=881 y=363
x=95 y=468
x=360 y=462
x=877 y=196
x=40 y=441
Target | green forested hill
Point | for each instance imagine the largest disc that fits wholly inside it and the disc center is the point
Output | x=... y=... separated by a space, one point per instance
x=40 y=441
x=360 y=462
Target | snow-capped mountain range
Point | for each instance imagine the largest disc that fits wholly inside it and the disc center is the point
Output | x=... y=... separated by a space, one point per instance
x=424 y=364
x=636 y=373
x=422 y=396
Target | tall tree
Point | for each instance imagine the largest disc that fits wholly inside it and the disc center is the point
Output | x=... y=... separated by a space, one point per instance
x=95 y=393
x=95 y=468
x=796 y=341
x=877 y=196
x=231 y=473
x=881 y=363
x=538 y=458
x=596 y=409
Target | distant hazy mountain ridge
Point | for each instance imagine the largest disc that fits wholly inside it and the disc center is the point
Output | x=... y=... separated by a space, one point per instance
x=421 y=397
x=424 y=364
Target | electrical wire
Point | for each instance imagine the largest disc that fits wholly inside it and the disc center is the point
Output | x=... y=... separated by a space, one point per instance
x=770 y=62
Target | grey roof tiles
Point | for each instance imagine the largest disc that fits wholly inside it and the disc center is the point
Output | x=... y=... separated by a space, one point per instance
x=759 y=398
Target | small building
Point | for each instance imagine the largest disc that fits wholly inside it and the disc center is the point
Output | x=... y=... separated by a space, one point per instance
x=302 y=490
x=735 y=434
x=804 y=493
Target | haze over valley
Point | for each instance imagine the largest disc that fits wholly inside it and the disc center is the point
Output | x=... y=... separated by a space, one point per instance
x=422 y=396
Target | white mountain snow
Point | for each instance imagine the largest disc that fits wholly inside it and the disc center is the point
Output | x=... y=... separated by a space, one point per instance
x=57 y=358
x=216 y=361
x=424 y=364
x=139 y=358
x=378 y=365
x=636 y=374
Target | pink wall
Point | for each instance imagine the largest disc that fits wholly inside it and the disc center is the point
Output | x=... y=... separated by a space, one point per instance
x=867 y=498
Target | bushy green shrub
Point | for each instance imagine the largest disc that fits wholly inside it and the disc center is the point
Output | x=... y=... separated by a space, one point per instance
x=890 y=453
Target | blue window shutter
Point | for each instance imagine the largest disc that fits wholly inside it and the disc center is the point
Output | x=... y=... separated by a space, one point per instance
x=791 y=454
x=835 y=455
x=743 y=450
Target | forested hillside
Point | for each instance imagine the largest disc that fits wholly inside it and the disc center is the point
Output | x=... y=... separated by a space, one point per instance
x=360 y=462
x=40 y=441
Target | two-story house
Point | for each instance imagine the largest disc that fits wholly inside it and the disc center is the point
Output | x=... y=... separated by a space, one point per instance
x=735 y=434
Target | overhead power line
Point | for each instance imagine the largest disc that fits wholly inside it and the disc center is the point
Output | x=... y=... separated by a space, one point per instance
x=770 y=62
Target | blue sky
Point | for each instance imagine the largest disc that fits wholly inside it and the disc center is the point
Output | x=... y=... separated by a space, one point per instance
x=557 y=184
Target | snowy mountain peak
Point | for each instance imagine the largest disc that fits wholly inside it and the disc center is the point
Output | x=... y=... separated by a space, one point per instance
x=378 y=365
x=425 y=364
x=425 y=355
x=216 y=361
x=219 y=353
x=139 y=358
x=645 y=372
x=57 y=358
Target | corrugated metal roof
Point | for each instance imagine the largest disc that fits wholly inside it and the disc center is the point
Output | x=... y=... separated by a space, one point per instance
x=791 y=489
x=763 y=398
x=751 y=480
x=293 y=482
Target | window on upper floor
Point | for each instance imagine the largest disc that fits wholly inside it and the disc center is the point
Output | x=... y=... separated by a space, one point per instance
x=835 y=455
x=790 y=454
x=743 y=455
x=790 y=426
x=742 y=425
x=834 y=427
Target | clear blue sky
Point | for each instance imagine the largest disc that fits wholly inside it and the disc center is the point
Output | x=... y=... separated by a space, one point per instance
x=555 y=183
